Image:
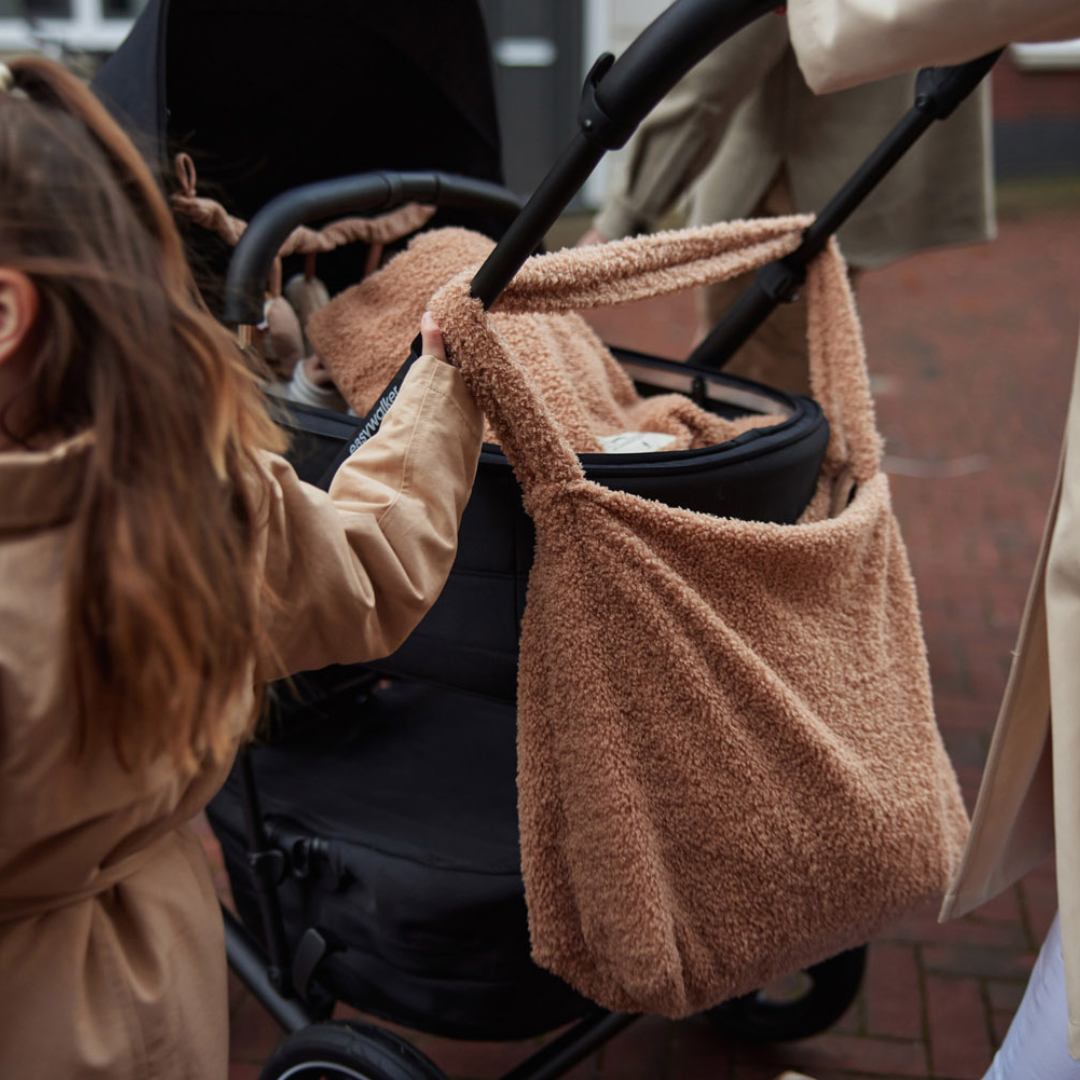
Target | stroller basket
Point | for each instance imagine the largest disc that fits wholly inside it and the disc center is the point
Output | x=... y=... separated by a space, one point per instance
x=405 y=857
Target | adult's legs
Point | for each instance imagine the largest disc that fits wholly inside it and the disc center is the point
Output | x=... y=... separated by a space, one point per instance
x=1036 y=1043
x=776 y=353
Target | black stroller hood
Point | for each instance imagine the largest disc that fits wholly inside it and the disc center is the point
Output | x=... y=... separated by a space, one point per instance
x=269 y=94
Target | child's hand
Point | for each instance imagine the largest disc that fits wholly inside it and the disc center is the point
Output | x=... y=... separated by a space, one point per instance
x=432 y=338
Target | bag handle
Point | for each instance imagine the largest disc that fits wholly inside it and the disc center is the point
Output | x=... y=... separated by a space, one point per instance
x=664 y=263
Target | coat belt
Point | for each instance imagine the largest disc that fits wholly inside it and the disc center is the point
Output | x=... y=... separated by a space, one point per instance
x=15 y=908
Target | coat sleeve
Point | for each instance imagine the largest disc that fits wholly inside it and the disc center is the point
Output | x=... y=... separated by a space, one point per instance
x=841 y=43
x=678 y=138
x=350 y=573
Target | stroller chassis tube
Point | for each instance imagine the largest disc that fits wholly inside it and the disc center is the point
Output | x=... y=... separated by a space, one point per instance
x=249 y=963
x=528 y=229
x=937 y=93
x=560 y=1055
x=779 y=281
x=616 y=97
x=267 y=867
x=250 y=265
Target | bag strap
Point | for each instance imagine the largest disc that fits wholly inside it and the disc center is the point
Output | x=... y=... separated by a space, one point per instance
x=614 y=273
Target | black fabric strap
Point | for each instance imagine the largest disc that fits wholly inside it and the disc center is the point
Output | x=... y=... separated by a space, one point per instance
x=372 y=421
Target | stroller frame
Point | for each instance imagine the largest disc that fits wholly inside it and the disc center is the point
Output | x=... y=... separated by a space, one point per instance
x=616 y=97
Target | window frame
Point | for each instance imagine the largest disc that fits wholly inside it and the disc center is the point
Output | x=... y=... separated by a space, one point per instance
x=1047 y=55
x=87 y=28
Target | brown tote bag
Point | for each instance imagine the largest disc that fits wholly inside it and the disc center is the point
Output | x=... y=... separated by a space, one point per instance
x=728 y=765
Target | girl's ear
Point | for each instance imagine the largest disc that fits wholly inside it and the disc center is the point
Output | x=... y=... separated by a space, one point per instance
x=18 y=310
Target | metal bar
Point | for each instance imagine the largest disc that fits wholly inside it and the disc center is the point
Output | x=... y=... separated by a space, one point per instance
x=528 y=229
x=666 y=49
x=560 y=1055
x=616 y=99
x=248 y=961
x=938 y=92
x=260 y=852
x=758 y=302
x=249 y=267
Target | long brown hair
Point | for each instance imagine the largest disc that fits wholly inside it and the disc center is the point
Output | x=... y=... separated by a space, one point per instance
x=162 y=579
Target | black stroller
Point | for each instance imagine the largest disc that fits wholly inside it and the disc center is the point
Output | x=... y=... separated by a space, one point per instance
x=372 y=843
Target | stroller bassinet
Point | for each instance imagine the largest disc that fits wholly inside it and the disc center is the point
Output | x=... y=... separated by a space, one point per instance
x=372 y=847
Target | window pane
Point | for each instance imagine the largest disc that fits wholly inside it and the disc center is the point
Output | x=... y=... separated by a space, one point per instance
x=121 y=9
x=42 y=9
x=48 y=9
x=62 y=9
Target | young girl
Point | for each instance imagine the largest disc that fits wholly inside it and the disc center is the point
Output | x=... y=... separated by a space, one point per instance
x=157 y=564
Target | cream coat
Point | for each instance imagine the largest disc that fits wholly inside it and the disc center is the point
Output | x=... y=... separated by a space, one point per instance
x=112 y=961
x=840 y=43
x=744 y=115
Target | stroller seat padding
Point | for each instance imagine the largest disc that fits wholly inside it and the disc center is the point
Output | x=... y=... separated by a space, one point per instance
x=401 y=818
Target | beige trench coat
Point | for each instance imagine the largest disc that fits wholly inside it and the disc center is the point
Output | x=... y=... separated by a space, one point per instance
x=112 y=961
x=744 y=115
x=1031 y=786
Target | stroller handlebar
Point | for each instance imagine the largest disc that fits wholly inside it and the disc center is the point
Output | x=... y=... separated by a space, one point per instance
x=617 y=96
x=249 y=267
x=656 y=59
x=619 y=93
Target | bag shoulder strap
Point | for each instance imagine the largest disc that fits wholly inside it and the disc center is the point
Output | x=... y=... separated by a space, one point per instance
x=657 y=265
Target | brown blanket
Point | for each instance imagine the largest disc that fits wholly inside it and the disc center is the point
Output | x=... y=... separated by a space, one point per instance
x=363 y=336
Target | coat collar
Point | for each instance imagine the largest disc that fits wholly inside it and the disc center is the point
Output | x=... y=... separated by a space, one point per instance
x=41 y=488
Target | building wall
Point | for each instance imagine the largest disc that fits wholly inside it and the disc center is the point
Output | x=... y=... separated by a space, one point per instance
x=610 y=25
x=1035 y=93
x=1037 y=114
x=60 y=27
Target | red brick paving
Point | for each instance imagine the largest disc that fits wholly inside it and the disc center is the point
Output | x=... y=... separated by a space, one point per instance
x=971 y=350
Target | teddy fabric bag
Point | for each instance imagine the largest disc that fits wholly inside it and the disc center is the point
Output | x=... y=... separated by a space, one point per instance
x=728 y=764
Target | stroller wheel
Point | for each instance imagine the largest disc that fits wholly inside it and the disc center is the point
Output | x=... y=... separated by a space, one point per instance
x=796 y=1007
x=346 y=1050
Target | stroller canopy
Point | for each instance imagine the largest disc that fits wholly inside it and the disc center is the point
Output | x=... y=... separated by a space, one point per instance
x=269 y=94
x=266 y=95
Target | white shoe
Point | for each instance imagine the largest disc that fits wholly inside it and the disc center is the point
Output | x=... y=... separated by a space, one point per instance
x=794 y=1076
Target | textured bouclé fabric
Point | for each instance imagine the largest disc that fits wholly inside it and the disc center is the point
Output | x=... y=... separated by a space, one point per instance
x=363 y=336
x=728 y=765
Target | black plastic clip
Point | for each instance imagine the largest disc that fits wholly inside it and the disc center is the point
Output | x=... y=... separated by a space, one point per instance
x=312 y=949
x=939 y=90
x=268 y=867
x=780 y=281
x=308 y=856
x=595 y=124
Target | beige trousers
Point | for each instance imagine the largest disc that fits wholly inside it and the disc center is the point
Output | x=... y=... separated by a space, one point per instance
x=776 y=353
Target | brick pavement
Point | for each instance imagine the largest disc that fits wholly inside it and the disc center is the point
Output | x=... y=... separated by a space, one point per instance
x=971 y=352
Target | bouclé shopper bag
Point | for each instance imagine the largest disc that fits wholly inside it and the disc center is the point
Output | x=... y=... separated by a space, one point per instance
x=728 y=765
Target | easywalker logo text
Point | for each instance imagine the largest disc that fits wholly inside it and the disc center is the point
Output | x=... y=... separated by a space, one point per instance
x=374 y=420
